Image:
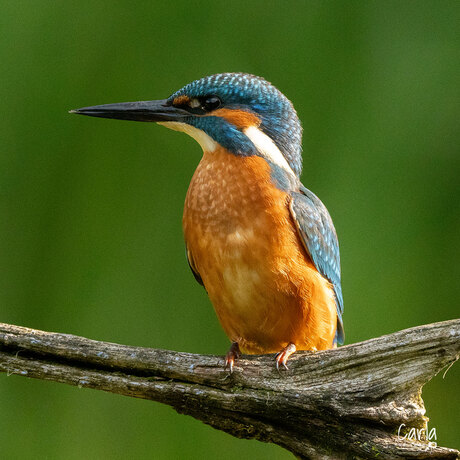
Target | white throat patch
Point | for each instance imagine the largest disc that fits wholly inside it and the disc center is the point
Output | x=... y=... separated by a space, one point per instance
x=208 y=144
x=263 y=143
x=267 y=148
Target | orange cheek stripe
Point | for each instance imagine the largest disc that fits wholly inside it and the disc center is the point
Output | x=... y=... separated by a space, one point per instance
x=181 y=100
x=239 y=118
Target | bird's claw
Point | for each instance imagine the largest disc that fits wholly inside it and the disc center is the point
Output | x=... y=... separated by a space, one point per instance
x=280 y=361
x=232 y=356
x=229 y=364
x=282 y=356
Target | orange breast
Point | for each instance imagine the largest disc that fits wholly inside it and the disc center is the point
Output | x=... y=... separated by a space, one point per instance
x=241 y=239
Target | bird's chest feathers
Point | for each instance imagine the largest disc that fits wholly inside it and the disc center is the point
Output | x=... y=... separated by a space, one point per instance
x=230 y=198
x=231 y=217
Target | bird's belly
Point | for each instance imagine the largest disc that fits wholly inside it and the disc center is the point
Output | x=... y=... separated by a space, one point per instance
x=252 y=293
x=243 y=243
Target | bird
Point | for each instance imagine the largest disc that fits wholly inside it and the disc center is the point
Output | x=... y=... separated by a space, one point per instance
x=262 y=245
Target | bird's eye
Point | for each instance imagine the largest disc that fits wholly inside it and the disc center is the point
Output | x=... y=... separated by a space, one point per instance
x=211 y=103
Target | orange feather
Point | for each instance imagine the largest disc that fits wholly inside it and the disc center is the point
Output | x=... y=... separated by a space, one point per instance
x=242 y=241
x=239 y=118
x=181 y=100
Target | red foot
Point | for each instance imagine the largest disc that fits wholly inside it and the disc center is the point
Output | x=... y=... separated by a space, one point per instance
x=283 y=355
x=232 y=356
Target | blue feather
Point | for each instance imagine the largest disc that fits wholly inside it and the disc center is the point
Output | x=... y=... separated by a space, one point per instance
x=320 y=240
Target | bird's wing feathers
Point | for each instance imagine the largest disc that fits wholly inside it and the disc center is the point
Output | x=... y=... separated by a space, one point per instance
x=318 y=235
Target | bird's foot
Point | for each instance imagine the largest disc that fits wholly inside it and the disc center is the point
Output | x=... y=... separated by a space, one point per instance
x=282 y=357
x=232 y=356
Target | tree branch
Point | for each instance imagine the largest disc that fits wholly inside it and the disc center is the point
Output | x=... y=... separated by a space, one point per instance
x=348 y=402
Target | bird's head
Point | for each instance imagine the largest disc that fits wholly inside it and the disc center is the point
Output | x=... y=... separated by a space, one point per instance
x=243 y=113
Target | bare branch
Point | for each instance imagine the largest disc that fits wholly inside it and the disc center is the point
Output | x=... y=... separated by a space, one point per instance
x=348 y=402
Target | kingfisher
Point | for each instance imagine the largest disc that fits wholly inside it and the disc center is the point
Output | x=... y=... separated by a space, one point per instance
x=261 y=244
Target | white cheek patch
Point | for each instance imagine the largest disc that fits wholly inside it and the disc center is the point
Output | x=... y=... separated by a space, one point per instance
x=208 y=144
x=267 y=148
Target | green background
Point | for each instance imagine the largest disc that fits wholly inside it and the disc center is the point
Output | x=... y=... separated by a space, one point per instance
x=90 y=228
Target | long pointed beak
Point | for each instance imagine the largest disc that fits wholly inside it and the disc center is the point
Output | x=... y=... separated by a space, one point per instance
x=136 y=111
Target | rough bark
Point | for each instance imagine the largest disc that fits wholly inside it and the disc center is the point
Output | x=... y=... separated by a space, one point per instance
x=343 y=403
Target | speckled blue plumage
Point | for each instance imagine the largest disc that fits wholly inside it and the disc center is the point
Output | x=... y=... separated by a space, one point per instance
x=279 y=119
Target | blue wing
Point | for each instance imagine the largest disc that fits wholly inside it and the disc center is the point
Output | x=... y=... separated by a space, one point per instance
x=318 y=235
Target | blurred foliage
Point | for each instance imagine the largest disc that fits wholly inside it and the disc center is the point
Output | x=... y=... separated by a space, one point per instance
x=91 y=240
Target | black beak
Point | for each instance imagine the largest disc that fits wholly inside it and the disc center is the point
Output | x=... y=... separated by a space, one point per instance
x=136 y=111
